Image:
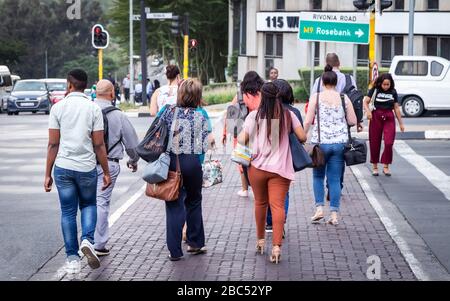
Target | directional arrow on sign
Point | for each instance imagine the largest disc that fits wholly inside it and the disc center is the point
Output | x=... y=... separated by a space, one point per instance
x=359 y=33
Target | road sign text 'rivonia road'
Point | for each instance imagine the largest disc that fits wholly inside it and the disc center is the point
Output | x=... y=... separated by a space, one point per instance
x=334 y=27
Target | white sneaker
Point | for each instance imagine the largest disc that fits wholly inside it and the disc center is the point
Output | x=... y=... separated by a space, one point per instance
x=73 y=267
x=243 y=193
x=88 y=250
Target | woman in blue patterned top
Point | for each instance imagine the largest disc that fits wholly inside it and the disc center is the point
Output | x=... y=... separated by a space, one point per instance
x=190 y=142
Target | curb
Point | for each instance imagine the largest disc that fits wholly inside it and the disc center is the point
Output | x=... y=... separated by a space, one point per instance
x=418 y=135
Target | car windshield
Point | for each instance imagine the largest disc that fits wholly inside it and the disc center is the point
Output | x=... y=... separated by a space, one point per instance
x=29 y=86
x=57 y=86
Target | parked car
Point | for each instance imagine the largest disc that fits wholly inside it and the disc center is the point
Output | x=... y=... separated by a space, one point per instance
x=422 y=83
x=29 y=96
x=156 y=62
x=5 y=87
x=57 y=88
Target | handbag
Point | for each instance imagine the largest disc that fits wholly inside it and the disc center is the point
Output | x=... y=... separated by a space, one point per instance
x=155 y=141
x=314 y=150
x=372 y=101
x=158 y=170
x=300 y=157
x=212 y=172
x=169 y=189
x=241 y=154
x=355 y=151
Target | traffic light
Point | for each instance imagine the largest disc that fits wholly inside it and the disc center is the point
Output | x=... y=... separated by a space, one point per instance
x=363 y=4
x=193 y=44
x=175 y=27
x=100 y=37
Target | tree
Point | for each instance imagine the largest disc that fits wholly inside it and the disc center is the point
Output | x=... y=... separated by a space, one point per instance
x=208 y=24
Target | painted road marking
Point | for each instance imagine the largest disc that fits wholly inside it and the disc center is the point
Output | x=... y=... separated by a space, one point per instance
x=436 y=176
x=414 y=264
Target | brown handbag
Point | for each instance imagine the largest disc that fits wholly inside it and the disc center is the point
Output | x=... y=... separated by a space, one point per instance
x=314 y=150
x=168 y=190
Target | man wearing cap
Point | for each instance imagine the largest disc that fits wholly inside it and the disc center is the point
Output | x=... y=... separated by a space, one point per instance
x=121 y=135
x=75 y=145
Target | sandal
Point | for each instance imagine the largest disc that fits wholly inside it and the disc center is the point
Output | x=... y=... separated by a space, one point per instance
x=386 y=172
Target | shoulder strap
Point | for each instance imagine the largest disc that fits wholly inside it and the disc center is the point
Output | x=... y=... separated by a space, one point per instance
x=318 y=108
x=345 y=115
x=348 y=83
x=109 y=109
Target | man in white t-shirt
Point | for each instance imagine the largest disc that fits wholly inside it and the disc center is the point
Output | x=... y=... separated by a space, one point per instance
x=75 y=144
x=126 y=83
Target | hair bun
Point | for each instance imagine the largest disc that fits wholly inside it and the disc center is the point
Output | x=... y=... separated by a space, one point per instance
x=328 y=68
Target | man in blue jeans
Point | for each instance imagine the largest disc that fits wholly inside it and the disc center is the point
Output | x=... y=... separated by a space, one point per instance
x=75 y=145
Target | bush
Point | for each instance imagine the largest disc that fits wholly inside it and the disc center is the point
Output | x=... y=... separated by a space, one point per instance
x=218 y=98
x=362 y=76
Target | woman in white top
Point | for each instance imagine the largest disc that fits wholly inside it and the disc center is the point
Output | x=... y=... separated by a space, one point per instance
x=166 y=95
x=333 y=137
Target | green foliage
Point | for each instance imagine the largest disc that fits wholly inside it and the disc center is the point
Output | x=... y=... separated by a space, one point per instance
x=362 y=76
x=208 y=24
x=90 y=65
x=233 y=66
x=218 y=98
x=32 y=27
x=127 y=106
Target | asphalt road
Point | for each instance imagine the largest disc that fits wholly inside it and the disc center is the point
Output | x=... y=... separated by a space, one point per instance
x=29 y=217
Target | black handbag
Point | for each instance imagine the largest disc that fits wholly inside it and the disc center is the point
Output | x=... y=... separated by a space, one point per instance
x=300 y=157
x=155 y=141
x=355 y=151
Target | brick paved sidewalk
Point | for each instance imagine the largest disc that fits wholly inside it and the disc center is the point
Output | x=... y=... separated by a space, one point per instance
x=310 y=252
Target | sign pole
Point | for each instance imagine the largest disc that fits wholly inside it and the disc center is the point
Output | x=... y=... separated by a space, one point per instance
x=313 y=54
x=144 y=53
x=100 y=64
x=355 y=61
x=371 y=47
x=131 y=54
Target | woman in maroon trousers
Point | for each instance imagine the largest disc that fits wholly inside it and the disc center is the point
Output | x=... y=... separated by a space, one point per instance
x=383 y=100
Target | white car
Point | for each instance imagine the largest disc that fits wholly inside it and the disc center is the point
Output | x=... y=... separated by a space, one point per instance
x=422 y=83
x=156 y=62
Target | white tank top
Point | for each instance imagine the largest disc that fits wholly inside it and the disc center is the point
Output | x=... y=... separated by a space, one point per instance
x=167 y=96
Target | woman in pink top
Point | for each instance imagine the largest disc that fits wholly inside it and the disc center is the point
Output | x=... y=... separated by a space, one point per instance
x=271 y=170
x=250 y=87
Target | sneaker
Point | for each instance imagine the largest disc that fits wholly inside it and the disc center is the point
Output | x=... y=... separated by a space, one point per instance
x=175 y=258
x=88 y=250
x=196 y=251
x=269 y=229
x=102 y=252
x=243 y=193
x=73 y=267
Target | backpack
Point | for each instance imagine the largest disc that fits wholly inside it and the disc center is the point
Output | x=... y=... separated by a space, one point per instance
x=236 y=115
x=105 y=112
x=355 y=96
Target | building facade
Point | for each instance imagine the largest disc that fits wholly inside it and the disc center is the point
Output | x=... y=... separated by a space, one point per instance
x=264 y=33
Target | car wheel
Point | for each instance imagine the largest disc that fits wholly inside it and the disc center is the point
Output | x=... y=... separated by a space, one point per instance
x=16 y=113
x=34 y=112
x=47 y=112
x=413 y=106
x=10 y=113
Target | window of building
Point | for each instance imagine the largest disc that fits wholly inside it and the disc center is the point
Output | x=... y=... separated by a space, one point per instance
x=412 y=68
x=433 y=4
x=438 y=46
x=436 y=68
x=399 y=4
x=363 y=55
x=390 y=47
x=243 y=32
x=316 y=4
x=281 y=5
x=316 y=53
x=274 y=45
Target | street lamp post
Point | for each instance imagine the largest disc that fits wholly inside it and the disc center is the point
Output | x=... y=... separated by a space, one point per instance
x=143 y=53
x=131 y=53
x=412 y=4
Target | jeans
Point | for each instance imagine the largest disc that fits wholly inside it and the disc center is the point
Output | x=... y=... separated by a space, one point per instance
x=286 y=209
x=188 y=207
x=334 y=164
x=103 y=204
x=76 y=189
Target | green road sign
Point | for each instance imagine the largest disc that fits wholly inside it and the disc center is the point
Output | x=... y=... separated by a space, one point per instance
x=331 y=27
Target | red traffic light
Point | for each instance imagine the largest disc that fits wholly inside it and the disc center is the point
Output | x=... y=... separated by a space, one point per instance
x=100 y=37
x=98 y=30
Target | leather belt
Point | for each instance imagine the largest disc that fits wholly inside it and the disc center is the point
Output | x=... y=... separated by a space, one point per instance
x=114 y=160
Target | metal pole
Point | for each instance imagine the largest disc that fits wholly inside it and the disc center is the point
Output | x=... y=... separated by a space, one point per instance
x=313 y=49
x=144 y=53
x=355 y=61
x=131 y=53
x=186 y=46
x=100 y=64
x=46 y=64
x=371 y=45
x=412 y=4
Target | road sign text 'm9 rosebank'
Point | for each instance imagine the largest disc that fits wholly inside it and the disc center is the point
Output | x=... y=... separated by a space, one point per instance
x=334 y=27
